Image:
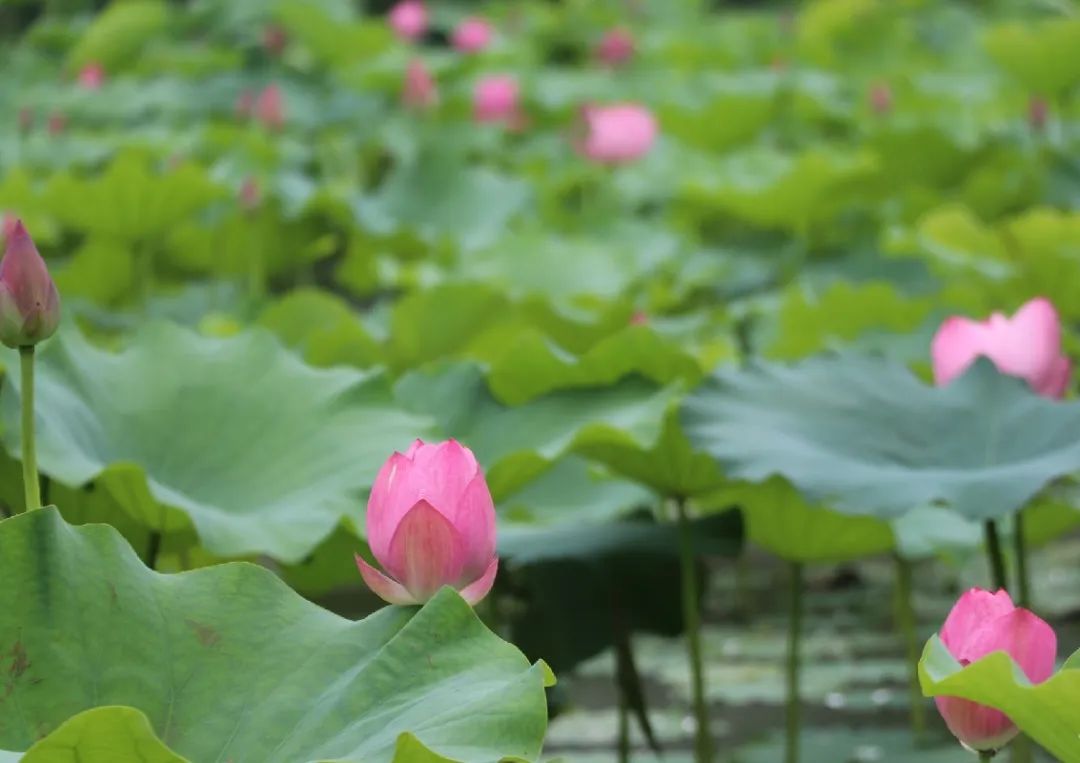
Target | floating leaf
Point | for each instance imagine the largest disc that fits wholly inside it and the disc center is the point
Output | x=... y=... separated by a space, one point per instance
x=199 y=653
x=262 y=453
x=103 y=735
x=866 y=436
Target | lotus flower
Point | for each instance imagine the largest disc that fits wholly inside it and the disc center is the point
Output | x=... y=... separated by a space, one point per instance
x=57 y=123
x=982 y=623
x=8 y=226
x=616 y=134
x=420 y=90
x=409 y=20
x=1038 y=113
x=430 y=523
x=270 y=107
x=881 y=98
x=495 y=99
x=245 y=104
x=616 y=47
x=29 y=302
x=1028 y=345
x=274 y=39
x=250 y=194
x=472 y=35
x=92 y=76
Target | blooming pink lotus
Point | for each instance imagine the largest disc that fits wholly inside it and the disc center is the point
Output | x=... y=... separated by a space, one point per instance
x=616 y=47
x=1028 y=345
x=495 y=99
x=420 y=91
x=616 y=134
x=270 y=107
x=92 y=76
x=409 y=20
x=982 y=623
x=29 y=302
x=431 y=523
x=472 y=35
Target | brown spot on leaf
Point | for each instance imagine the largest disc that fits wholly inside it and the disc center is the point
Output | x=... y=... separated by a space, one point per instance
x=19 y=661
x=206 y=634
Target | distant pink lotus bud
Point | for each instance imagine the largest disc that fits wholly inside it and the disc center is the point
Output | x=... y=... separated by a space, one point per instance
x=430 y=523
x=57 y=123
x=92 y=76
x=982 y=623
x=778 y=63
x=245 y=105
x=472 y=35
x=420 y=91
x=1028 y=345
x=26 y=118
x=881 y=98
x=29 y=302
x=274 y=39
x=616 y=134
x=250 y=194
x=616 y=47
x=495 y=99
x=639 y=318
x=1038 y=113
x=409 y=20
x=270 y=107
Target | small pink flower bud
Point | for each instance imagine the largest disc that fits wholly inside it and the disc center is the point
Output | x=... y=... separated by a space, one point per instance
x=1028 y=345
x=409 y=20
x=639 y=318
x=270 y=107
x=881 y=98
x=495 y=99
x=26 y=119
x=616 y=134
x=250 y=194
x=274 y=39
x=92 y=76
x=29 y=302
x=615 y=48
x=472 y=35
x=430 y=523
x=419 y=91
x=1038 y=113
x=979 y=624
x=57 y=123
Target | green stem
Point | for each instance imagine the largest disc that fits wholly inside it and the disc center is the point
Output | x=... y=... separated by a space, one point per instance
x=905 y=618
x=791 y=748
x=692 y=622
x=995 y=556
x=31 y=485
x=1023 y=582
x=624 y=730
x=986 y=756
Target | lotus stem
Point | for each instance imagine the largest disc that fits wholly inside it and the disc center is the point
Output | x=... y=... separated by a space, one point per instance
x=995 y=556
x=791 y=746
x=31 y=484
x=692 y=622
x=905 y=619
x=1023 y=582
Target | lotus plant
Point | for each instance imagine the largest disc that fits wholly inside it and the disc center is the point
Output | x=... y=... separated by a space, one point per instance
x=616 y=134
x=495 y=99
x=430 y=523
x=979 y=624
x=419 y=91
x=472 y=35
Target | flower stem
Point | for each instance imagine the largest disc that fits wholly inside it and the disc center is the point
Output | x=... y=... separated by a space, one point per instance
x=692 y=622
x=1023 y=582
x=995 y=556
x=905 y=619
x=31 y=485
x=986 y=756
x=791 y=746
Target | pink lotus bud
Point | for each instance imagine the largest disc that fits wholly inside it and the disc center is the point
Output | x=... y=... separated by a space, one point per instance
x=982 y=623
x=472 y=35
x=1028 y=345
x=639 y=318
x=881 y=98
x=57 y=123
x=29 y=302
x=409 y=20
x=92 y=76
x=250 y=194
x=245 y=105
x=270 y=107
x=420 y=91
x=1038 y=113
x=778 y=63
x=274 y=39
x=26 y=118
x=495 y=99
x=616 y=47
x=616 y=134
x=430 y=523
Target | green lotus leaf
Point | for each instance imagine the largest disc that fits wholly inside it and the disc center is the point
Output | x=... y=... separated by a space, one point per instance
x=1042 y=54
x=103 y=735
x=865 y=436
x=323 y=328
x=1045 y=712
x=116 y=36
x=228 y=663
x=237 y=436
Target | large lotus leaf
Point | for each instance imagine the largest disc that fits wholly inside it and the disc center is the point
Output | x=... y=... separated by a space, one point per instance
x=334 y=39
x=102 y=735
x=130 y=202
x=733 y=110
x=228 y=663
x=864 y=435
x=322 y=328
x=778 y=519
x=517 y=444
x=1042 y=55
x=262 y=453
x=117 y=35
x=1046 y=712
